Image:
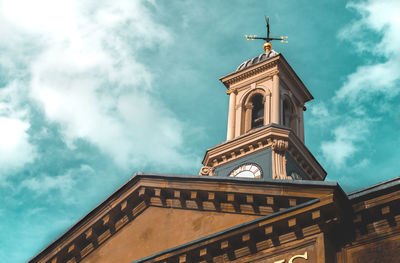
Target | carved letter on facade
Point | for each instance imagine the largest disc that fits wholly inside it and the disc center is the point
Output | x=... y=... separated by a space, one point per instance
x=305 y=256
x=299 y=256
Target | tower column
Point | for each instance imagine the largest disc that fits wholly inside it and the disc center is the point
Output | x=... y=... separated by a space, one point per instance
x=275 y=99
x=231 y=115
x=248 y=113
x=267 y=108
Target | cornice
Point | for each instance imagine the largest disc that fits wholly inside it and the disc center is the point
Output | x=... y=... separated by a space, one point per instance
x=181 y=192
x=288 y=71
x=283 y=68
x=375 y=210
x=260 y=139
x=278 y=230
x=250 y=71
x=300 y=152
x=303 y=225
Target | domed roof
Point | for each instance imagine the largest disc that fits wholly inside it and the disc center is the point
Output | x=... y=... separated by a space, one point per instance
x=256 y=60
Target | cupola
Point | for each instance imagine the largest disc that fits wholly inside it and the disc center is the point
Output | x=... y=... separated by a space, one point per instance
x=265 y=133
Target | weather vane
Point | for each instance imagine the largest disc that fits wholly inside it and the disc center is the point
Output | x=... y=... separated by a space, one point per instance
x=267 y=45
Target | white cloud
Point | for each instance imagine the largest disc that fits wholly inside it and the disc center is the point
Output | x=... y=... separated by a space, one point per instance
x=320 y=110
x=87 y=78
x=63 y=184
x=15 y=147
x=45 y=183
x=371 y=80
x=345 y=143
x=373 y=85
x=337 y=151
x=321 y=114
x=377 y=18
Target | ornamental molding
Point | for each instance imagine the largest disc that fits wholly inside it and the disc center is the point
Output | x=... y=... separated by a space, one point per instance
x=263 y=235
x=282 y=139
x=280 y=145
x=249 y=106
x=245 y=85
x=207 y=170
x=279 y=148
x=283 y=69
x=144 y=191
x=251 y=71
x=288 y=73
x=229 y=91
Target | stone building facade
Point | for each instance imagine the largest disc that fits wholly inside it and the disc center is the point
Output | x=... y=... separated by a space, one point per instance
x=259 y=197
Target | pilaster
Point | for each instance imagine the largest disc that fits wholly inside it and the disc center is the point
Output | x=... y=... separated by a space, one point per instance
x=275 y=99
x=231 y=115
x=247 y=123
x=267 y=108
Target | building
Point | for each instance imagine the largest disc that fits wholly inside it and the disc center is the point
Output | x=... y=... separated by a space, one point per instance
x=260 y=196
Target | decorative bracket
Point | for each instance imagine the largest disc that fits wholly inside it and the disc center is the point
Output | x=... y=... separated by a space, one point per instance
x=207 y=171
x=279 y=148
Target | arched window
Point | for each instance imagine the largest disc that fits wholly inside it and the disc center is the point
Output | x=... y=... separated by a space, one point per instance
x=257 y=113
x=288 y=115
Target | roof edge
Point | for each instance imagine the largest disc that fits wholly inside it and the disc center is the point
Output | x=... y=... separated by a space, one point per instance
x=374 y=189
x=139 y=175
x=226 y=231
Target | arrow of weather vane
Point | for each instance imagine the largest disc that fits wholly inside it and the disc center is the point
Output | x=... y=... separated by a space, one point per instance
x=268 y=38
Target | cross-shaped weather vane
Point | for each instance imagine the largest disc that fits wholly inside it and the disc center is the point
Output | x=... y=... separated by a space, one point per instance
x=268 y=39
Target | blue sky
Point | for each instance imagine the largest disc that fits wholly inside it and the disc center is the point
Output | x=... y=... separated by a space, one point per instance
x=93 y=91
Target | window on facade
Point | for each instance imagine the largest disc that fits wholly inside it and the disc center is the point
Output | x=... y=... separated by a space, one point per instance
x=257 y=114
x=288 y=115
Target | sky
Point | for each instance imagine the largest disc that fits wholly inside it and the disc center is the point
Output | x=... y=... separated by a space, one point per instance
x=93 y=91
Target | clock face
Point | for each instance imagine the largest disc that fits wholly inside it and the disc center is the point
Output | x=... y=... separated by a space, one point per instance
x=248 y=170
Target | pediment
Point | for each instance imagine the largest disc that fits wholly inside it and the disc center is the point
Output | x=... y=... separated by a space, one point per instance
x=151 y=213
x=158 y=229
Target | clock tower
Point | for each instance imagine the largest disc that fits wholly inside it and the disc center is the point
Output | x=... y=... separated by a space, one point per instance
x=265 y=133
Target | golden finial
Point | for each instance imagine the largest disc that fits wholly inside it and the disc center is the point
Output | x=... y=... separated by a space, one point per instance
x=267 y=47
